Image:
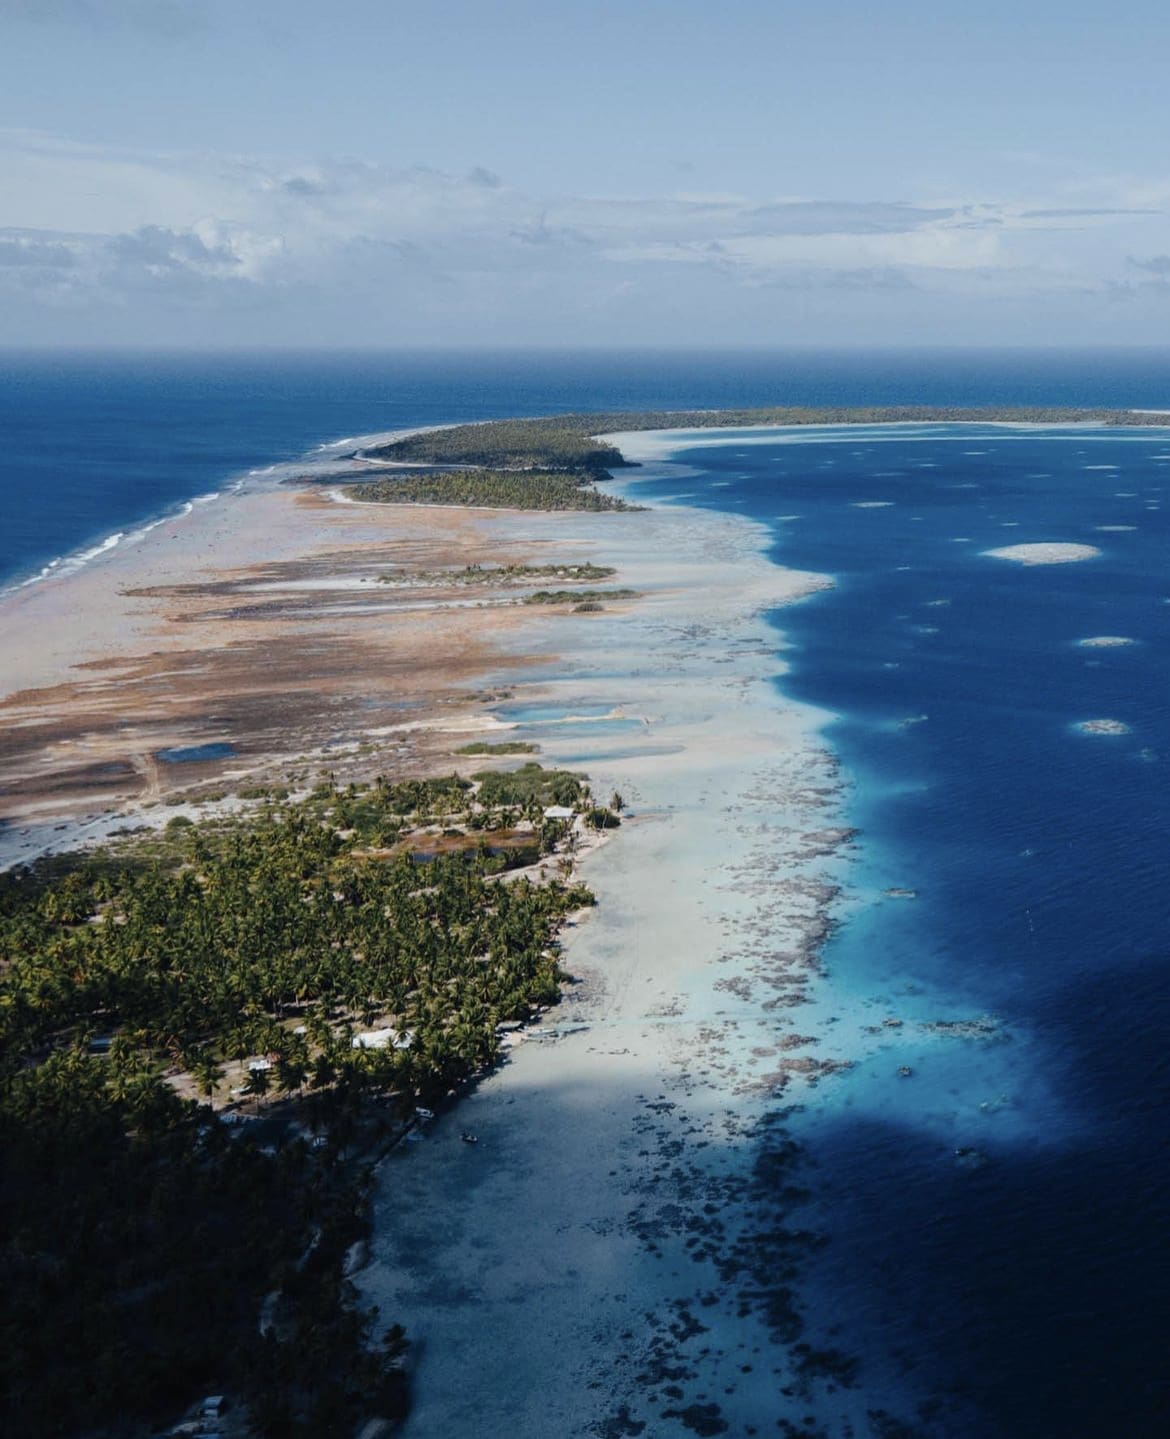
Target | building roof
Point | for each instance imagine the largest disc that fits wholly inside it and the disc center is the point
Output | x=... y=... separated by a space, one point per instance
x=384 y=1039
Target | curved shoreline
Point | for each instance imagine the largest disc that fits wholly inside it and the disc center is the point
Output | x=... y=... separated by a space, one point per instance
x=71 y=561
x=646 y=443
x=94 y=549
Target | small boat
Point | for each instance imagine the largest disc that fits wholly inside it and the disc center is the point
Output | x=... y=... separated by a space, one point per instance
x=424 y=1114
x=468 y=1138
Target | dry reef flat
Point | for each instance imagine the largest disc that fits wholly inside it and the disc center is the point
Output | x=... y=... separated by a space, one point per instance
x=255 y=635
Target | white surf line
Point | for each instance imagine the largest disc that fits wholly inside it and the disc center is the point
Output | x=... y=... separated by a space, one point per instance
x=660 y=444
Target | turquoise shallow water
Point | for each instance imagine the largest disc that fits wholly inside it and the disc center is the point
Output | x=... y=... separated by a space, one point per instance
x=998 y=1216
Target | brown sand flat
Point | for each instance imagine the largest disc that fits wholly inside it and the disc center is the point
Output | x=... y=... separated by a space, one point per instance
x=260 y=624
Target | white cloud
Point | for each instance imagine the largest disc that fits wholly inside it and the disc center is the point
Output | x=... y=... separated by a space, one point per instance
x=86 y=226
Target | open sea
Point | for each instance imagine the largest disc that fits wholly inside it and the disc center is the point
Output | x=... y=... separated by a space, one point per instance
x=992 y=1173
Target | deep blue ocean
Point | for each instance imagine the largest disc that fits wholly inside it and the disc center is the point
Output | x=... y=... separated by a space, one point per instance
x=998 y=1217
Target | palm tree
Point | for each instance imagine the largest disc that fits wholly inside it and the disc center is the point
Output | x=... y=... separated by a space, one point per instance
x=291 y=1072
x=207 y=1074
x=129 y=1073
x=259 y=1083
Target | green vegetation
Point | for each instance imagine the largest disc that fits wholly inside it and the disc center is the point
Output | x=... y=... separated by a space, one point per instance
x=511 y=746
x=141 y=1234
x=565 y=597
x=616 y=421
x=495 y=489
x=518 y=574
x=564 y=442
x=530 y=785
x=510 y=445
x=602 y=818
x=551 y=463
x=497 y=574
x=264 y=791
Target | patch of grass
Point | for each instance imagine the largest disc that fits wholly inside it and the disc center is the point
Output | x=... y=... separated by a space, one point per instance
x=516 y=746
x=495 y=574
x=602 y=818
x=530 y=784
x=566 y=597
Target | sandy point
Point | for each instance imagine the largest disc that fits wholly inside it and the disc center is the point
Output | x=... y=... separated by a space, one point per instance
x=1048 y=553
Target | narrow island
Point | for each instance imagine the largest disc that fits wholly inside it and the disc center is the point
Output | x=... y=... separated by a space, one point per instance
x=555 y=462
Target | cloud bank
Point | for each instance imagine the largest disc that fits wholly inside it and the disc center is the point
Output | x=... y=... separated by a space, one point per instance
x=102 y=244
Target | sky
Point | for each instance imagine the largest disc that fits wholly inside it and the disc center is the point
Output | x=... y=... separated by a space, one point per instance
x=677 y=173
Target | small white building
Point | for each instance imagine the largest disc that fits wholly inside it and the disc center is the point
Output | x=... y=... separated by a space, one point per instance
x=383 y=1039
x=558 y=811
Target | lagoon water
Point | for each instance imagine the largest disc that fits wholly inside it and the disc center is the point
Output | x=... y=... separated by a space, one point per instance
x=997 y=1218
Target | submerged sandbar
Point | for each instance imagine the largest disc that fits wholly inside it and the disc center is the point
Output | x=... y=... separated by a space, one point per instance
x=1046 y=553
